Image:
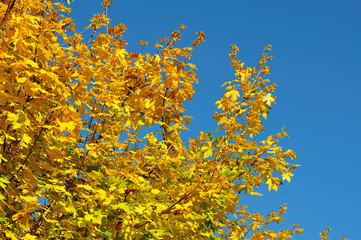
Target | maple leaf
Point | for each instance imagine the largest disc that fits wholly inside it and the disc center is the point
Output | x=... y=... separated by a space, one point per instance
x=268 y=99
x=234 y=94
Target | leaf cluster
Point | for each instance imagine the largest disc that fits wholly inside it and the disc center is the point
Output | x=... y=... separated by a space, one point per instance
x=90 y=136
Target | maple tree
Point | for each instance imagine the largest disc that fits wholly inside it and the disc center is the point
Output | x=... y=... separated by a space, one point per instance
x=90 y=136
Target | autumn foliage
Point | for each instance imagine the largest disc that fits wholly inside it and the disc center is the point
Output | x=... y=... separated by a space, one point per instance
x=90 y=136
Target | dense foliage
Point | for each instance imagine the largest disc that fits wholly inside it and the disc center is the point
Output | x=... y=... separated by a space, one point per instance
x=90 y=136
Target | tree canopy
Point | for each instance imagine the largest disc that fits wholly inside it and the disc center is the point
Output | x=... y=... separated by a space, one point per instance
x=91 y=136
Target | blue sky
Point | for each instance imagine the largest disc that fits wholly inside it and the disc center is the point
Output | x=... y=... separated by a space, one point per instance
x=317 y=49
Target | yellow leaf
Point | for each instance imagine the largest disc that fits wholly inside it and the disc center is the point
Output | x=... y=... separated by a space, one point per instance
x=286 y=176
x=192 y=65
x=268 y=99
x=234 y=94
x=29 y=237
x=49 y=220
x=256 y=194
x=208 y=153
x=95 y=175
x=87 y=187
x=29 y=198
x=121 y=53
x=98 y=219
x=88 y=217
x=67 y=126
x=22 y=79
x=26 y=139
x=182 y=26
x=264 y=115
x=271 y=185
x=10 y=235
x=155 y=191
x=31 y=63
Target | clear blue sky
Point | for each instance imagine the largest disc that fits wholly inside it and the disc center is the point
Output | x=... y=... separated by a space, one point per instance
x=317 y=49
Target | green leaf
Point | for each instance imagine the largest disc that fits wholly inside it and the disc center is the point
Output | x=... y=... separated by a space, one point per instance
x=2 y=158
